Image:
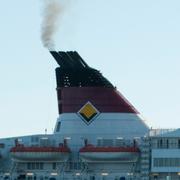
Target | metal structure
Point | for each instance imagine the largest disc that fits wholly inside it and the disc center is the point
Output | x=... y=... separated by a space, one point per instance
x=98 y=135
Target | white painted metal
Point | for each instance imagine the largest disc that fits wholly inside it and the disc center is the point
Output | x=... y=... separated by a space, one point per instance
x=107 y=157
x=40 y=156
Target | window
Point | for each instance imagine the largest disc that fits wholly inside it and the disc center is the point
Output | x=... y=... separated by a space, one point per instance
x=76 y=165
x=166 y=162
x=105 y=142
x=41 y=166
x=58 y=126
x=173 y=143
x=163 y=143
x=52 y=178
x=122 y=178
x=179 y=143
x=34 y=139
x=54 y=166
x=92 y=178
x=35 y=166
x=2 y=145
x=30 y=178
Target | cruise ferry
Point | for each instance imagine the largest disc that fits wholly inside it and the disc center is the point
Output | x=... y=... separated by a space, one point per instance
x=99 y=135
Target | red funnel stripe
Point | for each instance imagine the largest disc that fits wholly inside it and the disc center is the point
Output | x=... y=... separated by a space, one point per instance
x=91 y=148
x=72 y=99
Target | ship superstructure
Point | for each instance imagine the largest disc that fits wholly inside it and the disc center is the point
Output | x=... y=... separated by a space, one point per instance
x=98 y=134
x=90 y=107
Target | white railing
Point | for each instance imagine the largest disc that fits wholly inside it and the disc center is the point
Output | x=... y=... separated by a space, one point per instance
x=156 y=132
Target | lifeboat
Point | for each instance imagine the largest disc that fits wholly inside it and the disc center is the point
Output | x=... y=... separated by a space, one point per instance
x=22 y=153
x=92 y=153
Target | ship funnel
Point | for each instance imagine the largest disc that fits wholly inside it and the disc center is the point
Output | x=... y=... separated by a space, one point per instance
x=69 y=60
x=74 y=71
x=89 y=105
x=78 y=83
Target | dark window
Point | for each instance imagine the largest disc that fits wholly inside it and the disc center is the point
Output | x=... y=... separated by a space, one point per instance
x=167 y=143
x=2 y=145
x=28 y=165
x=122 y=178
x=37 y=165
x=34 y=139
x=92 y=178
x=54 y=165
x=178 y=143
x=33 y=166
x=41 y=166
x=21 y=177
x=155 y=177
x=161 y=143
x=58 y=127
x=6 y=177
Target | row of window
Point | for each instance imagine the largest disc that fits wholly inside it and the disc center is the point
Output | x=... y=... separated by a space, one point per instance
x=166 y=162
x=166 y=143
x=39 y=166
x=23 y=177
x=76 y=166
x=35 y=166
x=116 y=142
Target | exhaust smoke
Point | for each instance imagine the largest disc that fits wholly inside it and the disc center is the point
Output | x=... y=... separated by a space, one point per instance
x=52 y=11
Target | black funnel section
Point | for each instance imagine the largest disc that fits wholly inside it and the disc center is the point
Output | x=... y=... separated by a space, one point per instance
x=69 y=60
x=74 y=72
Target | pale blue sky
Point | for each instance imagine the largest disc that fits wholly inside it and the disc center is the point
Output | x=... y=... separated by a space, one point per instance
x=135 y=44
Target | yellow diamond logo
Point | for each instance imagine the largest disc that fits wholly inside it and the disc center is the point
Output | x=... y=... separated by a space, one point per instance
x=88 y=112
